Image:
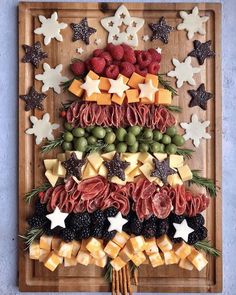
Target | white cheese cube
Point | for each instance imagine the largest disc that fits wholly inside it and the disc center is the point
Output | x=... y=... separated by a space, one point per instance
x=197 y=259
x=185 y=264
x=65 y=249
x=170 y=257
x=83 y=258
x=121 y=238
x=34 y=251
x=182 y=250
x=112 y=249
x=185 y=173
x=147 y=169
x=164 y=243
x=151 y=246
x=176 y=161
x=95 y=160
x=45 y=242
x=70 y=261
x=160 y=156
x=117 y=263
x=156 y=259
x=136 y=244
x=51 y=177
x=43 y=255
x=52 y=261
x=138 y=258
x=102 y=262
x=126 y=254
x=174 y=180
x=49 y=163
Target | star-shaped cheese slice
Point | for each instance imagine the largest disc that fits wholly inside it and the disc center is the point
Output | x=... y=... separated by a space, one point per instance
x=117 y=222
x=98 y=41
x=145 y=38
x=148 y=90
x=182 y=230
x=159 y=50
x=118 y=86
x=91 y=86
x=57 y=218
x=80 y=50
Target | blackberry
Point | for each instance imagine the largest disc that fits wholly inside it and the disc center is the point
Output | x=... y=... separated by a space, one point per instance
x=149 y=230
x=83 y=234
x=193 y=238
x=196 y=221
x=136 y=226
x=153 y=219
x=111 y=212
x=79 y=220
x=174 y=218
x=171 y=233
x=98 y=218
x=67 y=234
x=40 y=209
x=108 y=235
x=97 y=232
x=37 y=221
x=51 y=232
x=162 y=227
x=202 y=233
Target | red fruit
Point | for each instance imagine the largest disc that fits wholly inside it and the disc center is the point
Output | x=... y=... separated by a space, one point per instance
x=144 y=58
x=116 y=62
x=97 y=52
x=153 y=68
x=117 y=52
x=106 y=55
x=97 y=64
x=155 y=55
x=109 y=47
x=78 y=68
x=112 y=71
x=127 y=69
x=137 y=52
x=41 y=195
x=129 y=54
x=88 y=65
x=141 y=71
x=63 y=114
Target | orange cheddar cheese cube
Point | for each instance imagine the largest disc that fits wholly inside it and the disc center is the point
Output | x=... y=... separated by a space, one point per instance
x=164 y=243
x=117 y=263
x=104 y=84
x=98 y=254
x=138 y=258
x=56 y=243
x=197 y=259
x=136 y=244
x=112 y=249
x=185 y=264
x=93 y=97
x=135 y=79
x=70 y=261
x=163 y=96
x=151 y=246
x=65 y=249
x=34 y=251
x=132 y=95
x=125 y=79
x=75 y=88
x=119 y=100
x=93 y=245
x=153 y=78
x=102 y=262
x=104 y=99
x=45 y=242
x=83 y=257
x=182 y=250
x=170 y=257
x=43 y=255
x=120 y=239
x=156 y=259
x=93 y=75
x=146 y=100
x=52 y=261
x=126 y=254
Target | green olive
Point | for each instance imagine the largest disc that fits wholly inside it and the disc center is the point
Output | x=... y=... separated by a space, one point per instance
x=130 y=138
x=109 y=148
x=121 y=147
x=162 y=148
x=171 y=149
x=178 y=140
x=68 y=136
x=78 y=132
x=133 y=148
x=108 y=129
x=147 y=133
x=67 y=146
x=120 y=134
x=143 y=147
x=171 y=131
x=89 y=129
x=166 y=139
x=135 y=130
x=157 y=135
x=91 y=139
x=99 y=132
x=155 y=147
x=110 y=138
x=68 y=126
x=81 y=144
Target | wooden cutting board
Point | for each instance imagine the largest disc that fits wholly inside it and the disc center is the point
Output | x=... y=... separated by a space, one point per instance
x=32 y=275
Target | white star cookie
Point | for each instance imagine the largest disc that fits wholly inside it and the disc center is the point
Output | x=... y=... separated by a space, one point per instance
x=192 y=22
x=42 y=128
x=196 y=130
x=51 y=78
x=118 y=86
x=182 y=230
x=91 y=86
x=113 y=25
x=57 y=218
x=117 y=222
x=148 y=91
x=50 y=28
x=183 y=72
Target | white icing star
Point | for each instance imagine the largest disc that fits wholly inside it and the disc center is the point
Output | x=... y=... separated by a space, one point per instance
x=196 y=130
x=182 y=230
x=183 y=72
x=98 y=41
x=117 y=222
x=57 y=218
x=50 y=28
x=80 y=50
x=159 y=50
x=145 y=38
x=148 y=91
x=122 y=17
x=118 y=86
x=51 y=78
x=42 y=128
x=192 y=22
x=91 y=86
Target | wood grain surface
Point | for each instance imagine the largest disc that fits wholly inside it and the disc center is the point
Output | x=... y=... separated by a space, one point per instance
x=33 y=276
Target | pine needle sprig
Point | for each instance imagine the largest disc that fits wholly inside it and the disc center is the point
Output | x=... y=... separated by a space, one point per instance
x=187 y=153
x=52 y=144
x=35 y=191
x=31 y=235
x=174 y=109
x=166 y=84
x=205 y=246
x=207 y=183
x=108 y=272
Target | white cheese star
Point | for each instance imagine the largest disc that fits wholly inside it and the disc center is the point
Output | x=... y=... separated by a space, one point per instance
x=159 y=50
x=98 y=41
x=80 y=50
x=57 y=218
x=117 y=222
x=91 y=86
x=118 y=86
x=148 y=91
x=182 y=230
x=113 y=25
x=145 y=38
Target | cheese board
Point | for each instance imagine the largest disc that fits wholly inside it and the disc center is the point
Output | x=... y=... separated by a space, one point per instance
x=63 y=42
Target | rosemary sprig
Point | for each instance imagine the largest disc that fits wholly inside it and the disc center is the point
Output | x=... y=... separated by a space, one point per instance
x=206 y=247
x=31 y=235
x=166 y=84
x=108 y=272
x=35 y=191
x=175 y=109
x=99 y=145
x=65 y=85
x=52 y=144
x=66 y=105
x=207 y=183
x=187 y=153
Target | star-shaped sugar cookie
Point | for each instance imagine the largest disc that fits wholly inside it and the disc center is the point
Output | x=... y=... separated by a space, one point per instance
x=122 y=28
x=34 y=54
x=82 y=31
x=57 y=218
x=162 y=169
x=116 y=167
x=50 y=28
x=33 y=100
x=160 y=30
x=73 y=166
x=183 y=72
x=192 y=22
x=91 y=86
x=117 y=222
x=199 y=97
x=118 y=86
x=201 y=51
x=148 y=90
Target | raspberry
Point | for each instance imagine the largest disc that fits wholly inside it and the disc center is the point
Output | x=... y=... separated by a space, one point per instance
x=106 y=55
x=154 y=54
x=154 y=67
x=88 y=65
x=117 y=52
x=78 y=68
x=112 y=71
x=109 y=47
x=97 y=64
x=127 y=69
x=144 y=58
x=137 y=52
x=97 y=52
x=140 y=71
x=129 y=54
